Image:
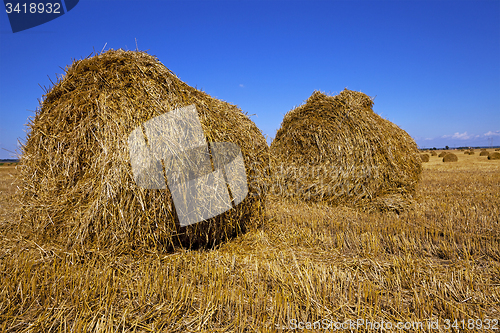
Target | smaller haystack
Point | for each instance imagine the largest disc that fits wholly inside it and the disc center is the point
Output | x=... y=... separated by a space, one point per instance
x=335 y=149
x=497 y=149
x=471 y=152
x=424 y=157
x=450 y=157
x=494 y=156
x=433 y=153
x=442 y=154
x=484 y=153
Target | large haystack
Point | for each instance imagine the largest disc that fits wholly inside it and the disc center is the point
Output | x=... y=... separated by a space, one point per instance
x=78 y=183
x=337 y=150
x=484 y=153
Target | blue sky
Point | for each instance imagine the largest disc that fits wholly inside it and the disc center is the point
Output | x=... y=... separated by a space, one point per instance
x=432 y=66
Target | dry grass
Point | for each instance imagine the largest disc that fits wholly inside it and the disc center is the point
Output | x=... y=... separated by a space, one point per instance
x=439 y=260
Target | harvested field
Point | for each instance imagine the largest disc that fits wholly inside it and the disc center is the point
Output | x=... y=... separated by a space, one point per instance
x=440 y=260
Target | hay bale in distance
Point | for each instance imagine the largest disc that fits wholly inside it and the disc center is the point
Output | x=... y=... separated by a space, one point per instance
x=497 y=149
x=494 y=156
x=442 y=154
x=335 y=149
x=471 y=152
x=433 y=153
x=450 y=157
x=424 y=157
x=77 y=183
x=466 y=152
x=484 y=153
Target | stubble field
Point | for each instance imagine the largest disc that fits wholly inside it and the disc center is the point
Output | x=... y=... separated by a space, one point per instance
x=309 y=264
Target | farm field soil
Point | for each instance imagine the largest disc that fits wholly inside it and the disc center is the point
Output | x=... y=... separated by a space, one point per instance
x=308 y=262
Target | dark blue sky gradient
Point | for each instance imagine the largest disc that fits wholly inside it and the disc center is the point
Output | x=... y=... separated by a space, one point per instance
x=432 y=66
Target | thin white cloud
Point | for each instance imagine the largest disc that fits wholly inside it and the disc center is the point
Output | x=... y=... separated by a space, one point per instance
x=241 y=85
x=459 y=136
x=490 y=133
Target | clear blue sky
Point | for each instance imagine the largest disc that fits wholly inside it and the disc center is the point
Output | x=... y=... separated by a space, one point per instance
x=432 y=66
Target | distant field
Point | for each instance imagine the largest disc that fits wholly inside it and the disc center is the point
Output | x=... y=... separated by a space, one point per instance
x=308 y=263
